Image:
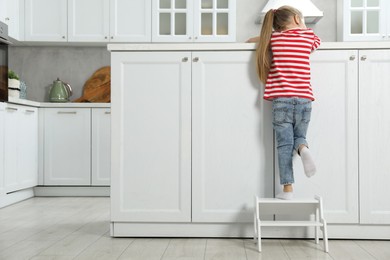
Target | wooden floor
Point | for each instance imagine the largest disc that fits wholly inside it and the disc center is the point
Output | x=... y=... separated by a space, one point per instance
x=78 y=228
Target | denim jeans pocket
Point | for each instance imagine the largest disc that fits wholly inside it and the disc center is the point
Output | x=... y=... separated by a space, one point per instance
x=282 y=115
x=306 y=114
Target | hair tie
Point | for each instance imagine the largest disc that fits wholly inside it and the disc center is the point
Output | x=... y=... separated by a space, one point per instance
x=274 y=10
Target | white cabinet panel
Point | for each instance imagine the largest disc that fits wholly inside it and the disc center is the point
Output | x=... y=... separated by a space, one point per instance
x=46 y=20
x=231 y=146
x=67 y=146
x=101 y=146
x=151 y=137
x=88 y=20
x=13 y=12
x=130 y=21
x=20 y=147
x=2 y=126
x=332 y=137
x=374 y=140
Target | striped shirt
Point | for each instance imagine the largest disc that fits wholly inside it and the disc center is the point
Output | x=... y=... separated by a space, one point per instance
x=289 y=75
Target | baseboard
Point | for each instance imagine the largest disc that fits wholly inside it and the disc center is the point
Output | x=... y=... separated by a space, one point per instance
x=15 y=197
x=72 y=191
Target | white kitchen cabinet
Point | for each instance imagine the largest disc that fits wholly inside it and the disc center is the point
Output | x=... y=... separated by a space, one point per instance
x=67 y=146
x=130 y=21
x=46 y=20
x=332 y=137
x=20 y=147
x=151 y=137
x=12 y=13
x=363 y=20
x=2 y=127
x=88 y=20
x=101 y=146
x=194 y=21
x=231 y=149
x=374 y=141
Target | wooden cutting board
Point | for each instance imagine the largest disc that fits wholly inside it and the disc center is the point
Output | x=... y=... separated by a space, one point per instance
x=98 y=87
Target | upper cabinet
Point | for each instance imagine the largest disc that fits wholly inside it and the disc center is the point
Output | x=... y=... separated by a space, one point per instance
x=12 y=13
x=363 y=20
x=194 y=21
x=88 y=20
x=46 y=20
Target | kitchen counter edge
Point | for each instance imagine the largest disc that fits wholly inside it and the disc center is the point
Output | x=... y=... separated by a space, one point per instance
x=25 y=102
x=235 y=46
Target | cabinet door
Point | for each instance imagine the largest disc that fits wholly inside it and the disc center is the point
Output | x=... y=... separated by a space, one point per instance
x=11 y=131
x=15 y=18
x=215 y=20
x=67 y=146
x=101 y=146
x=332 y=137
x=151 y=137
x=2 y=144
x=232 y=146
x=374 y=142
x=172 y=21
x=363 y=20
x=27 y=143
x=130 y=21
x=46 y=20
x=88 y=20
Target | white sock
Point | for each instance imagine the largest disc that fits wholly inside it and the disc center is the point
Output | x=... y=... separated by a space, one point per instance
x=308 y=163
x=285 y=195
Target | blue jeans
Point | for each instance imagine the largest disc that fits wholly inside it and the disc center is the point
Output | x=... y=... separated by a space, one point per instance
x=291 y=117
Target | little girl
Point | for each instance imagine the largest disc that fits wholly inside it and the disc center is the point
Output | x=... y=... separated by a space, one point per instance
x=284 y=67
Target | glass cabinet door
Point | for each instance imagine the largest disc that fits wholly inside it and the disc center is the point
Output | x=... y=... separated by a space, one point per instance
x=215 y=20
x=172 y=21
x=365 y=20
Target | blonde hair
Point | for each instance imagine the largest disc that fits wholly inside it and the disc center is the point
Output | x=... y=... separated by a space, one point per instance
x=277 y=19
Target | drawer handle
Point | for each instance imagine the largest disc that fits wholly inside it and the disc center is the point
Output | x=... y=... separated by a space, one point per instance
x=107 y=113
x=12 y=108
x=67 y=112
x=30 y=111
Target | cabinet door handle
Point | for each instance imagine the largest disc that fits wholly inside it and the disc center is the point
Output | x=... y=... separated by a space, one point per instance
x=67 y=112
x=112 y=37
x=353 y=57
x=12 y=108
x=363 y=58
x=196 y=59
x=185 y=59
x=30 y=111
x=107 y=113
x=63 y=37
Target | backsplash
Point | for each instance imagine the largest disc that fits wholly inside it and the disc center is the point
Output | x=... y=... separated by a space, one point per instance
x=39 y=66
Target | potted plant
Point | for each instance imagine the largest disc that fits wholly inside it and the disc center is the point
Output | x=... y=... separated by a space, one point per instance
x=13 y=84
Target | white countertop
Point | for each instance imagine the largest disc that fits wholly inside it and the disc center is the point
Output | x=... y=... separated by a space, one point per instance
x=234 y=46
x=48 y=104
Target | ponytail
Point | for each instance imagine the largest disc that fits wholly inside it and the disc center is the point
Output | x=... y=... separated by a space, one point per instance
x=263 y=51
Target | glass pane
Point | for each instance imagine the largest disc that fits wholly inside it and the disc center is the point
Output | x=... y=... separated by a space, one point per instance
x=165 y=24
x=207 y=4
x=222 y=24
x=372 y=22
x=356 y=3
x=180 y=24
x=357 y=22
x=207 y=24
x=165 y=4
x=372 y=3
x=181 y=4
x=222 y=4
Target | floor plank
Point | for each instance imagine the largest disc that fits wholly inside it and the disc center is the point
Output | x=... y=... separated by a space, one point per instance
x=225 y=249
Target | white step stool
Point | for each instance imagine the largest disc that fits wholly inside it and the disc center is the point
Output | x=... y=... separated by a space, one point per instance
x=269 y=206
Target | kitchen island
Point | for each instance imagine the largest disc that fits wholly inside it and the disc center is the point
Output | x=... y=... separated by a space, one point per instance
x=193 y=142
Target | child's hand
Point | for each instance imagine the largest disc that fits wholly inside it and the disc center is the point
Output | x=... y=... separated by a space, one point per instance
x=253 y=39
